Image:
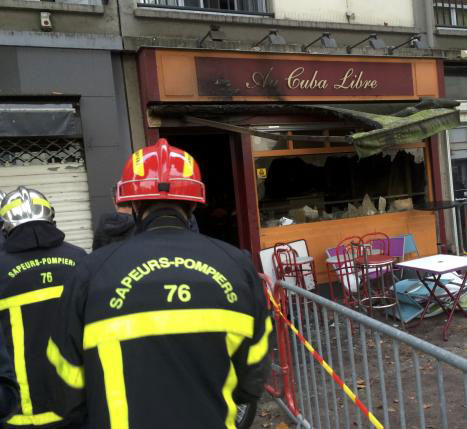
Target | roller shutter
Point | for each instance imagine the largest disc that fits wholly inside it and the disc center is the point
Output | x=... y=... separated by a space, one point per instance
x=56 y=168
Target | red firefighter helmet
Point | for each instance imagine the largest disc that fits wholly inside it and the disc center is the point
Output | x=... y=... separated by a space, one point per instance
x=161 y=172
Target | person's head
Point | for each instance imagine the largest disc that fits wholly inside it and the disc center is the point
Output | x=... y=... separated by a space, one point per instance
x=24 y=205
x=161 y=176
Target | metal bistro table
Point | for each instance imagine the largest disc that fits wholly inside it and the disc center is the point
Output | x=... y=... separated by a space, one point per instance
x=436 y=266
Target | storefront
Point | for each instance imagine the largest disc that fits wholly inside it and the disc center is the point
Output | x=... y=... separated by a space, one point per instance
x=301 y=146
x=63 y=130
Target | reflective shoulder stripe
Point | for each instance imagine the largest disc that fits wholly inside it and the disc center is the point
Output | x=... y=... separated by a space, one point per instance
x=31 y=297
x=258 y=351
x=10 y=206
x=167 y=322
x=233 y=342
x=36 y=419
x=73 y=375
x=41 y=202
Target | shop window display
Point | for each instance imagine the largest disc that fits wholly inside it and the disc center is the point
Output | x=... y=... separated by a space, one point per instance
x=318 y=187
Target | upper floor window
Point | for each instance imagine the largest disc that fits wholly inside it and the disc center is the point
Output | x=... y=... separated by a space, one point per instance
x=451 y=13
x=78 y=2
x=229 y=6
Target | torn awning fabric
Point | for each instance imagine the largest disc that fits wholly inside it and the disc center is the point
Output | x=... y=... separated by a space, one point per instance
x=376 y=132
x=392 y=130
x=395 y=131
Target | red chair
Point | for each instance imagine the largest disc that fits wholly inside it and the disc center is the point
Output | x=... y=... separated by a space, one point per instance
x=288 y=265
x=341 y=261
x=376 y=263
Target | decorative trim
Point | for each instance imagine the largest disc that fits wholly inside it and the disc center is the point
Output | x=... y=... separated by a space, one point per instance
x=229 y=18
x=61 y=40
x=51 y=7
x=446 y=31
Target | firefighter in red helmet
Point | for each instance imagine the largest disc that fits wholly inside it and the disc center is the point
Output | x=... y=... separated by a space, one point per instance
x=169 y=328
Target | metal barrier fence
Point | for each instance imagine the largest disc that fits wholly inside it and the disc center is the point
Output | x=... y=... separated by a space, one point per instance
x=393 y=379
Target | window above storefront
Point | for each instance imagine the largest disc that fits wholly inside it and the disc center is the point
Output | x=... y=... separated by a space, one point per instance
x=451 y=13
x=251 y=7
x=74 y=2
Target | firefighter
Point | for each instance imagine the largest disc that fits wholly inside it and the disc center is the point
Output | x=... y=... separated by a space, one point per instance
x=115 y=226
x=169 y=328
x=34 y=263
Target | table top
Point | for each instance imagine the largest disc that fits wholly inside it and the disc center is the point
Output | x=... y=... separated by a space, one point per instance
x=437 y=264
x=304 y=259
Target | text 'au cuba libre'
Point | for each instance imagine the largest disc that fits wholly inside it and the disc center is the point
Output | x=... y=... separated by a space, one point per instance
x=300 y=79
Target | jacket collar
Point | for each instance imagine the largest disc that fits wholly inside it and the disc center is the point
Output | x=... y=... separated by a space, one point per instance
x=163 y=218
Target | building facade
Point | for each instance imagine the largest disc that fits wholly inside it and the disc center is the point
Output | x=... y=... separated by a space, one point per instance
x=122 y=54
x=64 y=124
x=163 y=37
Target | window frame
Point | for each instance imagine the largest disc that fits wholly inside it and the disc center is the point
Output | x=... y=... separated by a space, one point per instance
x=329 y=150
x=264 y=4
x=452 y=7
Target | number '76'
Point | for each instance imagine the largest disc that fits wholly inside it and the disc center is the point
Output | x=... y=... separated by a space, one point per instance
x=183 y=292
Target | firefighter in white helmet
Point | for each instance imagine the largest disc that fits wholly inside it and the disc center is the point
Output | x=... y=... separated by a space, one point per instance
x=35 y=261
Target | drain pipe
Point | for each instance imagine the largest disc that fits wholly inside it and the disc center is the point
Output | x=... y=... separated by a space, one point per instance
x=430 y=23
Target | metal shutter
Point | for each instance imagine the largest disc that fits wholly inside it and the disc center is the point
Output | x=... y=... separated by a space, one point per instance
x=64 y=183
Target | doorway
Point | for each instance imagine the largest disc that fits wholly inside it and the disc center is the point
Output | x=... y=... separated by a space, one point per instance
x=218 y=218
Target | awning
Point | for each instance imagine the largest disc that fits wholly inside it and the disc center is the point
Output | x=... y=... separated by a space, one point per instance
x=39 y=120
x=375 y=132
x=388 y=131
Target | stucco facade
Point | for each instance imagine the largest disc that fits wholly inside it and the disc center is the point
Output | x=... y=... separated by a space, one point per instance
x=399 y=13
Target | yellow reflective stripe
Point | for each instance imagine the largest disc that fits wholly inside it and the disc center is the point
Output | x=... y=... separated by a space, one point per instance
x=138 y=163
x=16 y=203
x=258 y=351
x=41 y=202
x=72 y=375
x=10 y=206
x=31 y=297
x=167 y=322
x=110 y=355
x=36 y=419
x=233 y=342
x=17 y=333
x=188 y=165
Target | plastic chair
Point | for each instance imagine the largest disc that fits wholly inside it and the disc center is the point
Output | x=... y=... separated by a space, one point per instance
x=410 y=248
x=343 y=255
x=289 y=265
x=409 y=245
x=396 y=249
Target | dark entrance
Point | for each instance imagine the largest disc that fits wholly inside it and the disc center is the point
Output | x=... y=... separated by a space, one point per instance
x=218 y=218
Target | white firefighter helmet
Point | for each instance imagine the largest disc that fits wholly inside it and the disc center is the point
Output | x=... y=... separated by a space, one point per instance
x=24 y=205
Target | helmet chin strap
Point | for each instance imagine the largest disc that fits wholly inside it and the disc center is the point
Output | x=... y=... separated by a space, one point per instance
x=137 y=216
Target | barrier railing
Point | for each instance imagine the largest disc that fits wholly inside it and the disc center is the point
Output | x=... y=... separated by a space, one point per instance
x=349 y=370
